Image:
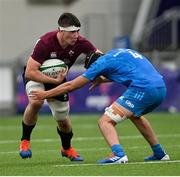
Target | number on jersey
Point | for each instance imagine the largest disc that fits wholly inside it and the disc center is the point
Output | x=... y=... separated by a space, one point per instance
x=135 y=54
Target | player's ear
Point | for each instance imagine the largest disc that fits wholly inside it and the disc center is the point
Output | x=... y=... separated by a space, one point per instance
x=59 y=30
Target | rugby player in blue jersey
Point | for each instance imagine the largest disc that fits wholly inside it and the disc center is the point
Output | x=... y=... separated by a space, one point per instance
x=145 y=91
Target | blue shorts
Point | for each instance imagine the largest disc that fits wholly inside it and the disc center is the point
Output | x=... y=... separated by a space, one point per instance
x=141 y=101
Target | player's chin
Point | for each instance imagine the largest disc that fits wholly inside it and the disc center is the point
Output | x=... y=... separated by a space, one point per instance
x=73 y=42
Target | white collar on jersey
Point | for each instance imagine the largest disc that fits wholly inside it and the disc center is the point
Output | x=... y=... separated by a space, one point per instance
x=69 y=28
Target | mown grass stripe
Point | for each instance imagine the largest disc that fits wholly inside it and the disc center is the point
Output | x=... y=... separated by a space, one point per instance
x=89 y=138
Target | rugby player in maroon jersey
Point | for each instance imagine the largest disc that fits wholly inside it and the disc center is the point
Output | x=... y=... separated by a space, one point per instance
x=65 y=44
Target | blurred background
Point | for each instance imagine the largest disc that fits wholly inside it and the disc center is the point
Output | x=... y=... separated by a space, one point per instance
x=149 y=26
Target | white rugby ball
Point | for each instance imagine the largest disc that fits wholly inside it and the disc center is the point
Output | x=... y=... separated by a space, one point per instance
x=52 y=67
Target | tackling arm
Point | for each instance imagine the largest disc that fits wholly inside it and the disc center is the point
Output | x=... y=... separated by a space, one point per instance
x=61 y=89
x=99 y=80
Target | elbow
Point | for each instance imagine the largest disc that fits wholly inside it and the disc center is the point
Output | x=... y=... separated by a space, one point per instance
x=28 y=75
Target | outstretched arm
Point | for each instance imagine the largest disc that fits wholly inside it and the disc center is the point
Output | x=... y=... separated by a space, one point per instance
x=61 y=89
x=99 y=80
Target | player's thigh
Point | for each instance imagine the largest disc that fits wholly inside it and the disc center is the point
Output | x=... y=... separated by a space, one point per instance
x=59 y=109
x=32 y=86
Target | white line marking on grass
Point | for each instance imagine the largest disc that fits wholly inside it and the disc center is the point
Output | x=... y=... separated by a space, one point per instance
x=89 y=138
x=40 y=127
x=129 y=163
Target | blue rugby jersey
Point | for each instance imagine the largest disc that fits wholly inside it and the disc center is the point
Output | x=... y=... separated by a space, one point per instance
x=127 y=67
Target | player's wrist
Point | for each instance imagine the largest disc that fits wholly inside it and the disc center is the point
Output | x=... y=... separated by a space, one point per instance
x=55 y=81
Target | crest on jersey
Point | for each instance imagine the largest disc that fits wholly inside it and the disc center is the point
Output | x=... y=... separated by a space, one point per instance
x=71 y=53
x=53 y=55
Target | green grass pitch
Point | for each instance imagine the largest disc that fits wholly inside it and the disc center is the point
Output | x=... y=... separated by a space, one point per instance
x=87 y=140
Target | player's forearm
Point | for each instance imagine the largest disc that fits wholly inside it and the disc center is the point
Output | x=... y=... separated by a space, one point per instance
x=59 y=90
x=54 y=92
x=38 y=76
x=67 y=87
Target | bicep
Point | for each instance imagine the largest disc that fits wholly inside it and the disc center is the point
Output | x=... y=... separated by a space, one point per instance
x=32 y=66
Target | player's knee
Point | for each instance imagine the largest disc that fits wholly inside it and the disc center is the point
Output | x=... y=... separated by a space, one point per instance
x=102 y=122
x=115 y=114
x=60 y=115
x=36 y=104
x=65 y=125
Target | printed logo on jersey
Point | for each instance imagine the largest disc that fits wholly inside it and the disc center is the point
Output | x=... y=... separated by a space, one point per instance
x=65 y=96
x=139 y=95
x=129 y=104
x=121 y=97
x=71 y=53
x=53 y=55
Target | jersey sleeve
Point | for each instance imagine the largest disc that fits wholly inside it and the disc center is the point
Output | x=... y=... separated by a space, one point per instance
x=40 y=52
x=96 y=69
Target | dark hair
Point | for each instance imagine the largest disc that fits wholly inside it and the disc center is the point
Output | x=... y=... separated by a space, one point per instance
x=91 y=58
x=68 y=19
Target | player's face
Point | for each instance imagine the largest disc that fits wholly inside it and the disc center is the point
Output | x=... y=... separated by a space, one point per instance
x=71 y=37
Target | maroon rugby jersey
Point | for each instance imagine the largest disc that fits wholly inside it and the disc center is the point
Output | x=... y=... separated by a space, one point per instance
x=48 y=47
